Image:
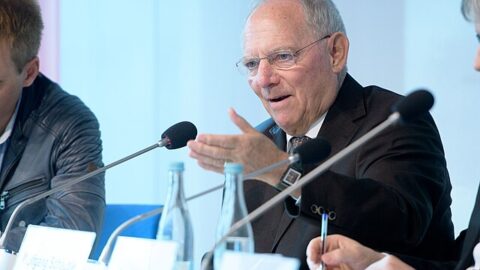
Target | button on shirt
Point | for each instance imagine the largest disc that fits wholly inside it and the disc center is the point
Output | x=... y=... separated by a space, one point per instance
x=6 y=135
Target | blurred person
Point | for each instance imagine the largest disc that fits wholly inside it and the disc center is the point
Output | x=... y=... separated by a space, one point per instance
x=47 y=137
x=392 y=194
x=344 y=252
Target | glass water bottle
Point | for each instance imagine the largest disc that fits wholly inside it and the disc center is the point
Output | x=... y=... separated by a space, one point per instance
x=175 y=224
x=233 y=210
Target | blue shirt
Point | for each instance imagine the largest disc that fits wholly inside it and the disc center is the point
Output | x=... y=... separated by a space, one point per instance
x=6 y=135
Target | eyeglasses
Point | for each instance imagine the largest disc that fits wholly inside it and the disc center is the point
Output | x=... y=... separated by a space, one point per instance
x=284 y=59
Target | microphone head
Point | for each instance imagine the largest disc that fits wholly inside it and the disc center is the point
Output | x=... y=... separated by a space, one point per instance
x=414 y=105
x=179 y=134
x=313 y=151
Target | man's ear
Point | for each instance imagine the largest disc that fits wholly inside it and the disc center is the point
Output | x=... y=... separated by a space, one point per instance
x=31 y=70
x=338 y=45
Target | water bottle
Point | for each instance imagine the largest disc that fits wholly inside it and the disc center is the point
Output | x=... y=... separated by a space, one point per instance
x=175 y=224
x=233 y=210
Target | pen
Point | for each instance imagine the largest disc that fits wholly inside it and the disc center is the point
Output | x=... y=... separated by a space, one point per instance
x=324 y=236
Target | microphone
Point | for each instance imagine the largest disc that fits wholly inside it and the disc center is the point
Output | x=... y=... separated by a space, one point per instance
x=407 y=109
x=178 y=135
x=415 y=104
x=311 y=151
x=174 y=137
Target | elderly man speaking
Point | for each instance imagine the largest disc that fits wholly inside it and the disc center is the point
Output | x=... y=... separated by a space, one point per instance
x=392 y=194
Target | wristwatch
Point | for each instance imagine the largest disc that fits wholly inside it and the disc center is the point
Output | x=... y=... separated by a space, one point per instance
x=289 y=178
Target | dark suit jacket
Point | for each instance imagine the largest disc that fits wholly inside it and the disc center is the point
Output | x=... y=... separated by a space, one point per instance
x=393 y=194
x=463 y=251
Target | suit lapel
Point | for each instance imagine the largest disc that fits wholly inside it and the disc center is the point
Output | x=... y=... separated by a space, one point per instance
x=277 y=135
x=338 y=128
x=473 y=235
x=340 y=124
x=285 y=222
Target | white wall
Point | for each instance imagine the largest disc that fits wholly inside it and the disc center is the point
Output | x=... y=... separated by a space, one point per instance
x=439 y=48
x=375 y=29
x=142 y=66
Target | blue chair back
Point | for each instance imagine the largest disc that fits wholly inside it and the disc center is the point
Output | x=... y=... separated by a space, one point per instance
x=116 y=214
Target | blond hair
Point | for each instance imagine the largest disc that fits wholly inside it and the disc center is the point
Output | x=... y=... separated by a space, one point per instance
x=21 y=27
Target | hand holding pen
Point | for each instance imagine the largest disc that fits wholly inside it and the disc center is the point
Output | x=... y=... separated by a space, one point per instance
x=318 y=246
x=341 y=252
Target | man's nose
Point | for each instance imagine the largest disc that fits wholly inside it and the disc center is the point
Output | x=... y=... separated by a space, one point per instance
x=266 y=74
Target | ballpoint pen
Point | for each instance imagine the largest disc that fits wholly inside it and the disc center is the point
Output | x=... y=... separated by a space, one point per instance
x=324 y=237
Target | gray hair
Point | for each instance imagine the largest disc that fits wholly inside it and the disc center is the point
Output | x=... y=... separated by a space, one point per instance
x=324 y=19
x=321 y=15
x=471 y=9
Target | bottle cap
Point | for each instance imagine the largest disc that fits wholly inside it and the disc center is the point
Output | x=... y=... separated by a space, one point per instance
x=176 y=166
x=233 y=167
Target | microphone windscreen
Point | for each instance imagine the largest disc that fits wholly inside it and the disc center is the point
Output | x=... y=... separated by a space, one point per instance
x=414 y=105
x=179 y=134
x=313 y=151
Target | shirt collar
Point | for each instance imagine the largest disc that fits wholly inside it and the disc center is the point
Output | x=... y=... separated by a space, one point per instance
x=8 y=130
x=313 y=130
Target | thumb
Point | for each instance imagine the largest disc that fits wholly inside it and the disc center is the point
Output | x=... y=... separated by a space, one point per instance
x=240 y=122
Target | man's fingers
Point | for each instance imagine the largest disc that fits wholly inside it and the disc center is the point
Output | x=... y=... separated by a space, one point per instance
x=208 y=163
x=210 y=167
x=313 y=253
x=240 y=122
x=313 y=249
x=212 y=161
x=312 y=265
x=223 y=141
x=202 y=150
x=334 y=257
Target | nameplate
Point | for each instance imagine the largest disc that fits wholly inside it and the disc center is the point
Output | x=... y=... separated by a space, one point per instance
x=140 y=253
x=240 y=261
x=53 y=248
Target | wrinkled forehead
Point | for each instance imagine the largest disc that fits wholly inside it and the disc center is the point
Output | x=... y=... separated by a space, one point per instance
x=276 y=22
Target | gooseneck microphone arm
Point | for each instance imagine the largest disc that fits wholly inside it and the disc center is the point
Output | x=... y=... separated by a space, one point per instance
x=290 y=160
x=106 y=252
x=312 y=151
x=170 y=139
x=407 y=109
x=70 y=183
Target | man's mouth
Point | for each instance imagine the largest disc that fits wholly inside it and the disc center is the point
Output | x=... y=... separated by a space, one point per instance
x=278 y=99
